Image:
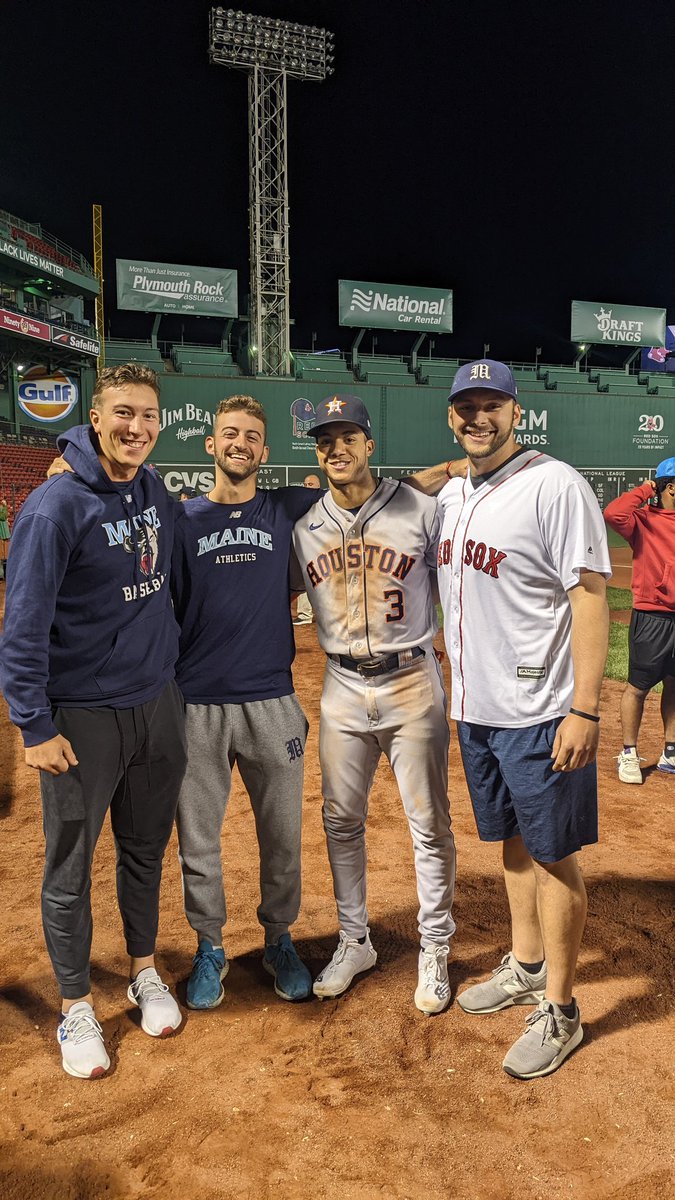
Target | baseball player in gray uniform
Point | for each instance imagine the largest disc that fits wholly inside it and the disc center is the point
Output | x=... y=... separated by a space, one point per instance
x=367 y=550
x=522 y=564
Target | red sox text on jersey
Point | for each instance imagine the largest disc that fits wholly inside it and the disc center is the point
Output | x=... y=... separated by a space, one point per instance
x=476 y=554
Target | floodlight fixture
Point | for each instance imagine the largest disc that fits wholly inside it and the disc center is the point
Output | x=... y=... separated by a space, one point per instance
x=301 y=51
x=271 y=51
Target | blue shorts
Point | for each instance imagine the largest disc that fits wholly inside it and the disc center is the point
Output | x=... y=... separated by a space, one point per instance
x=514 y=790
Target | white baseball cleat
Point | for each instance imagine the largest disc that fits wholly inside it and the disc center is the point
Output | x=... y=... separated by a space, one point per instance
x=433 y=987
x=350 y=959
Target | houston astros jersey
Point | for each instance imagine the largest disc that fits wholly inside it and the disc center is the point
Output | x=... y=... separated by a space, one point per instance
x=510 y=550
x=369 y=574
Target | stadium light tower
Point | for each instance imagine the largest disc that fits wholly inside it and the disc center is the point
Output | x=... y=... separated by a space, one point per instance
x=270 y=50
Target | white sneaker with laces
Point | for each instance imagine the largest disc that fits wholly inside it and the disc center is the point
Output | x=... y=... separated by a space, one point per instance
x=433 y=987
x=666 y=763
x=160 y=1015
x=350 y=959
x=81 y=1040
x=629 y=766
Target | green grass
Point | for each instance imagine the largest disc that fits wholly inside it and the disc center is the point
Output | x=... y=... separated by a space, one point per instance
x=617 y=657
x=619 y=598
x=614 y=539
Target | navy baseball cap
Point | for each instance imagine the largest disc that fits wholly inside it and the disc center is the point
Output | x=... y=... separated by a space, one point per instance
x=666 y=469
x=484 y=373
x=341 y=408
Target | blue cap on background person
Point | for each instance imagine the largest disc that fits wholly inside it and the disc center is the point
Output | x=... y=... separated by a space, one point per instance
x=341 y=408
x=484 y=373
x=666 y=469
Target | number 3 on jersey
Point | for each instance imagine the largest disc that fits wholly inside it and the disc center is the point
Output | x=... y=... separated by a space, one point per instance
x=395 y=598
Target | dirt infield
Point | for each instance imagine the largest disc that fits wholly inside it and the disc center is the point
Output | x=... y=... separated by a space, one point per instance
x=363 y=1097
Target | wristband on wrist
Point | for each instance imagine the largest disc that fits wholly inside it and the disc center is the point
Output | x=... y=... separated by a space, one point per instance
x=587 y=716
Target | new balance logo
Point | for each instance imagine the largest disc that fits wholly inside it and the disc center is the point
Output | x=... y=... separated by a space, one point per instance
x=295 y=749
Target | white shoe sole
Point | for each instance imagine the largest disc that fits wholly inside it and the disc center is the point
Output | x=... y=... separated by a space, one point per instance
x=623 y=779
x=431 y=1008
x=95 y=1073
x=332 y=995
x=533 y=998
x=575 y=1040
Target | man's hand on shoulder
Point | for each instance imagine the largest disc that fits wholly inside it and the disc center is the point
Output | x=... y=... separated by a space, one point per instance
x=59 y=466
x=55 y=756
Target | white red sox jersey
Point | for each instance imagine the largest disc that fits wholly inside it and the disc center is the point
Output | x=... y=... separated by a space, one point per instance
x=369 y=575
x=510 y=550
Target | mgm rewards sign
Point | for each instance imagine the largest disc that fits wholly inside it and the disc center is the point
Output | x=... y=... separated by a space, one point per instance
x=388 y=306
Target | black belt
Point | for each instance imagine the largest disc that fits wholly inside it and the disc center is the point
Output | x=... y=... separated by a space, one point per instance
x=370 y=667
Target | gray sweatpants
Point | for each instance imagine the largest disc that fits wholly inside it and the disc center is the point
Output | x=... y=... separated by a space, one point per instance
x=266 y=740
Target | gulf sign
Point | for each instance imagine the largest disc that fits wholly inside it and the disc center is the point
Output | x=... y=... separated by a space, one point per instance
x=46 y=398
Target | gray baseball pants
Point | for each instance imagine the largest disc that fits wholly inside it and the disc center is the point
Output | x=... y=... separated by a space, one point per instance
x=400 y=714
x=131 y=761
x=266 y=740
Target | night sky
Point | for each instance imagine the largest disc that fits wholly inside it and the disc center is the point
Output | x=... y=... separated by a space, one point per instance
x=520 y=154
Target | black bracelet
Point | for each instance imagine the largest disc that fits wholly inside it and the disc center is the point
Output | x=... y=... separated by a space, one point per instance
x=587 y=716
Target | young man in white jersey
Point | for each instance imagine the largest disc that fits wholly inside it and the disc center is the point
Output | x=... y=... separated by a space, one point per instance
x=367 y=550
x=522 y=566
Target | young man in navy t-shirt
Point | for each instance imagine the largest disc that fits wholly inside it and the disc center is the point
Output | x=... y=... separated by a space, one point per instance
x=230 y=581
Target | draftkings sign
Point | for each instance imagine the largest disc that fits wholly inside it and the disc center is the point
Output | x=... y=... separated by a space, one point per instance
x=171 y=288
x=388 y=306
x=618 y=324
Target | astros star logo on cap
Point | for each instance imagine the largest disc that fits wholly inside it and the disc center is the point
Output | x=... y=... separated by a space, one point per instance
x=335 y=405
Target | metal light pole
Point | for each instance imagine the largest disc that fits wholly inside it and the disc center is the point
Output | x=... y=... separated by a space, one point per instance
x=270 y=50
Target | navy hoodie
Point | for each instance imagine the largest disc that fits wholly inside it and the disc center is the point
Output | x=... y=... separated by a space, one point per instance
x=88 y=614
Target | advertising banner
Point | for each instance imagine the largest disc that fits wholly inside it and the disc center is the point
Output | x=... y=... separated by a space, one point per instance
x=13 y=250
x=76 y=341
x=171 y=288
x=618 y=324
x=24 y=326
x=388 y=306
x=46 y=396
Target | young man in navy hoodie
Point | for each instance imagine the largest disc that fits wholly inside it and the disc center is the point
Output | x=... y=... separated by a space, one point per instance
x=88 y=656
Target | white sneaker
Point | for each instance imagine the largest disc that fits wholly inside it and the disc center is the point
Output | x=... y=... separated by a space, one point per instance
x=160 y=1014
x=350 y=959
x=629 y=766
x=433 y=988
x=81 y=1040
x=666 y=763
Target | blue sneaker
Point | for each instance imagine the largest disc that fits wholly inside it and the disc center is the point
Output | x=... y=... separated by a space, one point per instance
x=292 y=980
x=209 y=967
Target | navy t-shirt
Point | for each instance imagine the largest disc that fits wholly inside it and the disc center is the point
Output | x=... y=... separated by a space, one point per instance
x=230 y=583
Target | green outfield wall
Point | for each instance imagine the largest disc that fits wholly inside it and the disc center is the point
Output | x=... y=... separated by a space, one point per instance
x=614 y=439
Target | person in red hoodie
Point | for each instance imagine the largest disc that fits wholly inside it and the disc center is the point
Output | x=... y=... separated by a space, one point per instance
x=645 y=517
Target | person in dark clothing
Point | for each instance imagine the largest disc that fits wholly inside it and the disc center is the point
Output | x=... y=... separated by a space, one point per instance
x=87 y=668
